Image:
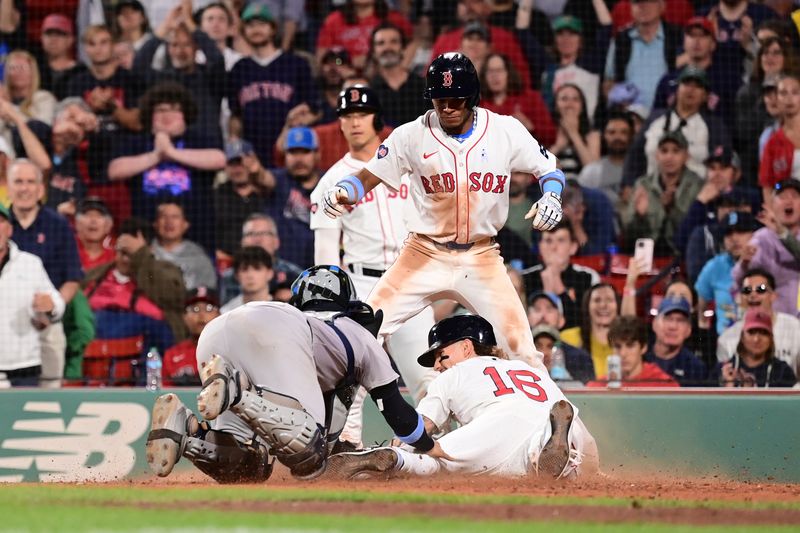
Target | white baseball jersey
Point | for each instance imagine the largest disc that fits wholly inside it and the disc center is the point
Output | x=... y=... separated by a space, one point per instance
x=374 y=229
x=460 y=190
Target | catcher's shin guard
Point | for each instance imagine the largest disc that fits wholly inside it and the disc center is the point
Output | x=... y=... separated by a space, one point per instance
x=227 y=460
x=292 y=434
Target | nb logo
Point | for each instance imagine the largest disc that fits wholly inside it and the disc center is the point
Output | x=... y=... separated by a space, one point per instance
x=447 y=78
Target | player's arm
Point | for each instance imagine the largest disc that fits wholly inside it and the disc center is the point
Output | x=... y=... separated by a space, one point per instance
x=348 y=191
x=407 y=424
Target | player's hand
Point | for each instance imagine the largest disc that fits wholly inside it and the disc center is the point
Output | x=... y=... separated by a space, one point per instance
x=546 y=213
x=437 y=452
x=334 y=200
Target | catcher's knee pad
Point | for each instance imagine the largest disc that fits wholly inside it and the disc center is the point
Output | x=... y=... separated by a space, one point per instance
x=227 y=460
x=292 y=434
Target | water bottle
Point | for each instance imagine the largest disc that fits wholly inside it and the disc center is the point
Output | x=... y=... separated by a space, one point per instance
x=153 y=366
x=558 y=364
x=614 y=365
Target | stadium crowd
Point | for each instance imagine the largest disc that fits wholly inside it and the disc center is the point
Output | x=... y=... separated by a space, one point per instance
x=157 y=161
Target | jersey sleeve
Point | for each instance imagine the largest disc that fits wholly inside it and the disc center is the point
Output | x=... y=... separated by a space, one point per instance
x=527 y=154
x=391 y=161
x=373 y=367
x=434 y=406
x=319 y=220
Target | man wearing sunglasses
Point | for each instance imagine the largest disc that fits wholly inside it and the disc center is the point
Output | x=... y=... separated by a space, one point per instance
x=765 y=250
x=758 y=291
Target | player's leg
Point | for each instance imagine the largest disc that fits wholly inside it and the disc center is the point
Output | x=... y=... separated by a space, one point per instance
x=176 y=432
x=256 y=362
x=487 y=290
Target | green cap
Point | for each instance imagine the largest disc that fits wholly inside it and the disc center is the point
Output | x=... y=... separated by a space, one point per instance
x=676 y=137
x=691 y=73
x=256 y=11
x=4 y=212
x=568 y=22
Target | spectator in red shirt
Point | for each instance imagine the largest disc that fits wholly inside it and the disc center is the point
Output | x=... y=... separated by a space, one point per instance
x=351 y=28
x=628 y=337
x=180 y=361
x=778 y=162
x=93 y=225
x=502 y=91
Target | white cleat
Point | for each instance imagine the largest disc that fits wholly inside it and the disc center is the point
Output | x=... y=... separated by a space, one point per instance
x=222 y=387
x=171 y=424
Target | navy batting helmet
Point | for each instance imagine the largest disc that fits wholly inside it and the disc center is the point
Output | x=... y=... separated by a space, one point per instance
x=323 y=288
x=360 y=98
x=456 y=328
x=452 y=75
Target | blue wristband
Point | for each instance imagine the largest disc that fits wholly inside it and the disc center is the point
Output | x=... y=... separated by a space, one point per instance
x=416 y=434
x=553 y=182
x=354 y=188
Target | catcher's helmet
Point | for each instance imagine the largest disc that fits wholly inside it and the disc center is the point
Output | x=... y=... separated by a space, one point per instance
x=323 y=288
x=452 y=75
x=454 y=329
x=360 y=98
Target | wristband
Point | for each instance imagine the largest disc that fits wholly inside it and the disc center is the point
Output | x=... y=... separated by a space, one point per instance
x=354 y=188
x=553 y=182
x=416 y=434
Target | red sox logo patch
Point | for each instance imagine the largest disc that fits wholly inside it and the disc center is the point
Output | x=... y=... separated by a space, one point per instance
x=447 y=78
x=382 y=151
x=355 y=95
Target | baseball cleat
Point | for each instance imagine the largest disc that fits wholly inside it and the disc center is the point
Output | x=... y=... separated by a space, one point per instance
x=555 y=454
x=367 y=464
x=171 y=423
x=222 y=387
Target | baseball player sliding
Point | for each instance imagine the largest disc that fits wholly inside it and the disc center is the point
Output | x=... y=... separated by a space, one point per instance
x=372 y=233
x=514 y=419
x=271 y=373
x=459 y=158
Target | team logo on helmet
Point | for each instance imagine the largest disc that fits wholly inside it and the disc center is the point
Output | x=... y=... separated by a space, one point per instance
x=447 y=78
x=355 y=95
x=382 y=151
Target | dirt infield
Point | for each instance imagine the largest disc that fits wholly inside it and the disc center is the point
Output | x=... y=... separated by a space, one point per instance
x=644 y=496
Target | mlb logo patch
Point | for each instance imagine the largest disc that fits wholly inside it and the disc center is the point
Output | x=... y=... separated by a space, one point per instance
x=382 y=151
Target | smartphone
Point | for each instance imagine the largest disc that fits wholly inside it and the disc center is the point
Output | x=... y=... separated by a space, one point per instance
x=643 y=253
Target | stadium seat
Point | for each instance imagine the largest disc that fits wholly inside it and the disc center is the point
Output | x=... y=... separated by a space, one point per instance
x=111 y=362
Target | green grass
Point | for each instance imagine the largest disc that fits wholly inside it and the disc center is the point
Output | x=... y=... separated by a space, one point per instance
x=55 y=508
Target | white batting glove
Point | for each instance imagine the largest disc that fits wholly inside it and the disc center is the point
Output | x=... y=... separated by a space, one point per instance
x=334 y=201
x=546 y=213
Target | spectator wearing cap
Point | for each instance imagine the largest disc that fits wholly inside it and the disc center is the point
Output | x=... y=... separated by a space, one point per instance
x=136 y=294
x=476 y=43
x=502 y=92
x=334 y=67
x=171 y=161
x=289 y=203
x=129 y=23
x=754 y=364
x=723 y=172
x=627 y=336
x=778 y=162
x=205 y=80
x=180 y=360
x=58 y=62
x=643 y=53
x=689 y=116
x=774 y=57
x=605 y=174
x=43 y=232
x=765 y=250
x=351 y=28
x=397 y=89
x=757 y=292
x=30 y=302
x=93 y=225
x=242 y=193
x=252 y=268
x=170 y=244
x=265 y=86
x=724 y=78
x=503 y=41
x=577 y=61
x=672 y=327
x=715 y=279
x=661 y=199
x=557 y=274
x=546 y=317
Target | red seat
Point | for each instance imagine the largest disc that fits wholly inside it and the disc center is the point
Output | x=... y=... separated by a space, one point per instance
x=111 y=361
x=595 y=262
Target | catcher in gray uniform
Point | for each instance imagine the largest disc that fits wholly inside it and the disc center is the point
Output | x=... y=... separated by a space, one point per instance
x=271 y=374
